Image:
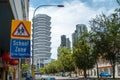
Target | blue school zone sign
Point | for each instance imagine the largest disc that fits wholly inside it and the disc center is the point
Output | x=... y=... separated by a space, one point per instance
x=20 y=48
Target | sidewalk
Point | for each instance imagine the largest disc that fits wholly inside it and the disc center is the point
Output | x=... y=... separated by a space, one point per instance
x=23 y=78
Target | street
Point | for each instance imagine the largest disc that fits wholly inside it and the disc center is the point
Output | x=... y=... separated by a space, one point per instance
x=81 y=78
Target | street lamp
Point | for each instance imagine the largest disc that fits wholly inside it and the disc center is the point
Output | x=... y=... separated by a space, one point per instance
x=33 y=33
x=45 y=6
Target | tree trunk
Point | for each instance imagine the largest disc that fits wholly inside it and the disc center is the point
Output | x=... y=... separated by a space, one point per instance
x=70 y=74
x=76 y=73
x=85 y=75
x=113 y=65
x=113 y=70
x=97 y=70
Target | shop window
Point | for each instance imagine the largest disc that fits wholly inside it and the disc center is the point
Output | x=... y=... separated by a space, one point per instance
x=0 y=59
x=1 y=70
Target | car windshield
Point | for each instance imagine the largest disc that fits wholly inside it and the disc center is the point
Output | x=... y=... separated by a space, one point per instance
x=105 y=73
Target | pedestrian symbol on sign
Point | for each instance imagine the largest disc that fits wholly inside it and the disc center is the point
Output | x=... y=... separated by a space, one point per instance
x=21 y=31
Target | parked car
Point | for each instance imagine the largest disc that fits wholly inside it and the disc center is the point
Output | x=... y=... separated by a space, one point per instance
x=48 y=78
x=37 y=75
x=29 y=78
x=105 y=74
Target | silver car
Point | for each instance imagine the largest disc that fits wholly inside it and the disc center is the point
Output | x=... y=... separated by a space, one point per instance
x=48 y=78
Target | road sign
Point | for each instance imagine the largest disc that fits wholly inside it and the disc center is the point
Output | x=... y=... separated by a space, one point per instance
x=21 y=29
x=20 y=48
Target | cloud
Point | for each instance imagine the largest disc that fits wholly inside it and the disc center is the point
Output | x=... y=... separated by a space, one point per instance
x=64 y=20
x=99 y=1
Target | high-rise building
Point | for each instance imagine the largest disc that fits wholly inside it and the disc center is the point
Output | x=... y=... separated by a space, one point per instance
x=65 y=42
x=41 y=38
x=80 y=28
x=68 y=43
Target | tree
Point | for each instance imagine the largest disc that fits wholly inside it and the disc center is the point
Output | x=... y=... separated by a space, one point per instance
x=52 y=67
x=94 y=40
x=118 y=1
x=41 y=70
x=59 y=67
x=25 y=67
x=82 y=55
x=107 y=28
x=65 y=58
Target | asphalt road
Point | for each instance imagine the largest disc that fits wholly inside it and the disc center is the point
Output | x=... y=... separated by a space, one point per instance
x=74 y=78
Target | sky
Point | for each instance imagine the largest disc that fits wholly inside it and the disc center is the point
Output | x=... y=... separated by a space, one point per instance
x=64 y=20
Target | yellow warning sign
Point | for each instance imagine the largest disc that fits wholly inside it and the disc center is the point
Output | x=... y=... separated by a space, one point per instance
x=21 y=29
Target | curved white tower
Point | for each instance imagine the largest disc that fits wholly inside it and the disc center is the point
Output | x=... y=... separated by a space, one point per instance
x=42 y=38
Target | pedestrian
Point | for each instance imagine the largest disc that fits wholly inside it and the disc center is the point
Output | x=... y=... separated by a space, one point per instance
x=10 y=77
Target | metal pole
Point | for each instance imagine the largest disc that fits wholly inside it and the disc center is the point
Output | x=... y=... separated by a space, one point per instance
x=33 y=34
x=19 y=70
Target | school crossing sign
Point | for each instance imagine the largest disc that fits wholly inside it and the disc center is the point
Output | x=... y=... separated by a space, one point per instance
x=20 y=39
x=21 y=29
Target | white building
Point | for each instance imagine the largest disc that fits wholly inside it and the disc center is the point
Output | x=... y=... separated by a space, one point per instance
x=41 y=39
x=20 y=9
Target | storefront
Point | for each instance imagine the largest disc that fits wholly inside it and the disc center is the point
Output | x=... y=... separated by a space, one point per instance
x=1 y=71
x=12 y=72
x=8 y=67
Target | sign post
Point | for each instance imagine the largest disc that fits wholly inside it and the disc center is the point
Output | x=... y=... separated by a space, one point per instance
x=20 y=41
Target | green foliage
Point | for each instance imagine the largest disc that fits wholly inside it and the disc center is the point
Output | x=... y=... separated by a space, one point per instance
x=107 y=30
x=64 y=62
x=25 y=67
x=53 y=67
x=82 y=54
x=65 y=58
x=63 y=51
x=41 y=70
x=118 y=1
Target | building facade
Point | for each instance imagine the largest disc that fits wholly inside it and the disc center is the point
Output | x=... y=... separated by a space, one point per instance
x=10 y=9
x=80 y=29
x=65 y=42
x=41 y=39
x=68 y=43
